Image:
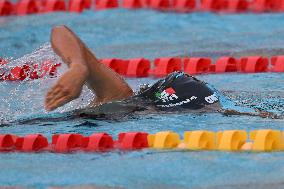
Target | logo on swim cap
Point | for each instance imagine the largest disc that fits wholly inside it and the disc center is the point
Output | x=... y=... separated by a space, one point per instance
x=188 y=100
x=212 y=98
x=170 y=91
x=167 y=95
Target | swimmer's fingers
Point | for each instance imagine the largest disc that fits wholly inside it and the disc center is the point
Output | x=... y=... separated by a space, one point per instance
x=53 y=91
x=59 y=102
x=54 y=97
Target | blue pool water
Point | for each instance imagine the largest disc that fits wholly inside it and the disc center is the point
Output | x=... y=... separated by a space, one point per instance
x=144 y=33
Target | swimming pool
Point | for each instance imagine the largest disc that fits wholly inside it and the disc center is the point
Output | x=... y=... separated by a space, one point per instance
x=145 y=33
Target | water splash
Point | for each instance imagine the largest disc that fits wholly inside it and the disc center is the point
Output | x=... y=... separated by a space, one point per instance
x=20 y=99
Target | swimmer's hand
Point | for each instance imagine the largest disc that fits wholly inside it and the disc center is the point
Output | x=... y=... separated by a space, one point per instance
x=259 y=113
x=67 y=88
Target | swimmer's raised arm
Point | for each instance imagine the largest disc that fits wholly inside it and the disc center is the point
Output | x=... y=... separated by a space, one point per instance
x=83 y=68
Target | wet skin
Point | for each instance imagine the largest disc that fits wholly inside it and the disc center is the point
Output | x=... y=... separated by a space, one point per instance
x=84 y=68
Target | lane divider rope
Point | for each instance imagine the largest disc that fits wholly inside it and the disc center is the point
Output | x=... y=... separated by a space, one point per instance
x=26 y=7
x=265 y=140
x=141 y=67
x=28 y=71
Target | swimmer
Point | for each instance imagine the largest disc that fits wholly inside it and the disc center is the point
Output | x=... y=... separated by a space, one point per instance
x=177 y=92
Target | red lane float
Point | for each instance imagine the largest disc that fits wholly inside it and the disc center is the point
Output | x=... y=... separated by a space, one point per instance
x=132 y=141
x=184 y=5
x=132 y=4
x=24 y=7
x=53 y=69
x=48 y=68
x=280 y=8
x=226 y=64
x=214 y=5
x=253 y=64
x=79 y=5
x=266 y=5
x=31 y=143
x=237 y=6
x=63 y=143
x=159 y=4
x=197 y=65
x=278 y=63
x=118 y=65
x=99 y=142
x=138 y=67
x=54 y=5
x=33 y=71
x=164 y=66
x=17 y=73
x=6 y=8
x=106 y=4
x=7 y=142
x=30 y=72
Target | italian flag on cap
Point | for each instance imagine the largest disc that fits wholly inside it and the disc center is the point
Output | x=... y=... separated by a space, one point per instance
x=170 y=91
